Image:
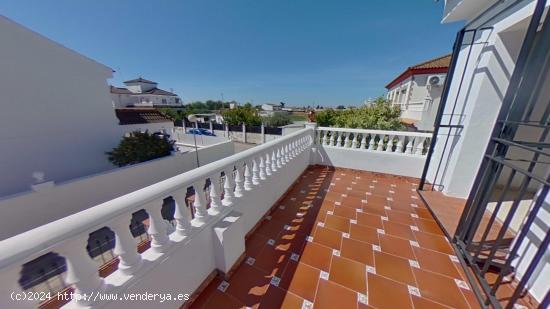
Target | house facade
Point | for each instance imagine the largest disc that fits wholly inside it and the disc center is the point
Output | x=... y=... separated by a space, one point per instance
x=141 y=92
x=417 y=91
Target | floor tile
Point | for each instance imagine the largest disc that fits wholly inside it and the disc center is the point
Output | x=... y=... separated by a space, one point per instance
x=364 y=233
x=439 y=288
x=345 y=212
x=248 y=285
x=317 y=255
x=393 y=267
x=358 y=251
x=400 y=217
x=436 y=262
x=433 y=242
x=272 y=261
x=337 y=223
x=385 y=293
x=255 y=243
x=328 y=237
x=396 y=246
x=424 y=303
x=331 y=295
x=399 y=230
x=348 y=273
x=300 y=279
x=428 y=226
x=371 y=220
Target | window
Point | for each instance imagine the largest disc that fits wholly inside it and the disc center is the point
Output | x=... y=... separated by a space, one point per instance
x=163 y=101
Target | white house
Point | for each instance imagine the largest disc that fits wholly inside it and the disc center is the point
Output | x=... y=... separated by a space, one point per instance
x=141 y=92
x=418 y=90
x=270 y=107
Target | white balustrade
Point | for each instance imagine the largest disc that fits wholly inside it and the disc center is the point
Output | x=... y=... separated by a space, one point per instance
x=402 y=142
x=69 y=236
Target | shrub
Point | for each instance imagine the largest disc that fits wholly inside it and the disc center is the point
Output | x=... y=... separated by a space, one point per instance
x=380 y=116
x=277 y=120
x=139 y=147
x=247 y=115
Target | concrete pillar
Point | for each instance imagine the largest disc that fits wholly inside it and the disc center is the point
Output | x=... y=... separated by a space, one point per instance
x=263 y=133
x=244 y=133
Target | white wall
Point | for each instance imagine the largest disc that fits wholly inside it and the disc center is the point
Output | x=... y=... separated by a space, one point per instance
x=367 y=160
x=485 y=78
x=57 y=116
x=67 y=198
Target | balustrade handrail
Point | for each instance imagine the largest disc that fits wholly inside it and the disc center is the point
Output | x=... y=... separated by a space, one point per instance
x=370 y=131
x=21 y=246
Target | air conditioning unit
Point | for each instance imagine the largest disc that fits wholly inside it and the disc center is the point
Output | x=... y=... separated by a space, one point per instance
x=435 y=80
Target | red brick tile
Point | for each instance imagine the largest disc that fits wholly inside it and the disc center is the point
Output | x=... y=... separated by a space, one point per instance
x=439 y=288
x=328 y=237
x=385 y=293
x=364 y=233
x=317 y=255
x=300 y=279
x=348 y=273
x=331 y=295
x=358 y=251
x=396 y=246
x=393 y=267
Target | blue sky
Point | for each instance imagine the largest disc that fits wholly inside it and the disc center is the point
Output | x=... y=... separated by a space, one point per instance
x=302 y=52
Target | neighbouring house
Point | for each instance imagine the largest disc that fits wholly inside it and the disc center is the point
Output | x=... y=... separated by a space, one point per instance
x=269 y=107
x=144 y=119
x=418 y=91
x=141 y=92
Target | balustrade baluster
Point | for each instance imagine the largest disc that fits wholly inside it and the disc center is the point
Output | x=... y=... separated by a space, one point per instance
x=82 y=272
x=333 y=138
x=363 y=141
x=125 y=246
x=339 y=139
x=419 y=146
x=274 y=161
x=157 y=225
x=278 y=159
x=372 y=140
x=215 y=198
x=228 y=185
x=389 y=146
x=255 y=172
x=267 y=164
x=325 y=138
x=248 y=176
x=182 y=214
x=239 y=180
x=381 y=143
x=399 y=147
x=409 y=146
x=346 y=140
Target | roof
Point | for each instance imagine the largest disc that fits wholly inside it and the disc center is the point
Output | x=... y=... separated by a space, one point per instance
x=119 y=90
x=140 y=116
x=436 y=65
x=157 y=91
x=154 y=91
x=140 y=80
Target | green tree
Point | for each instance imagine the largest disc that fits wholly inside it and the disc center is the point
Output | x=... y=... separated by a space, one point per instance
x=277 y=120
x=240 y=115
x=380 y=115
x=139 y=147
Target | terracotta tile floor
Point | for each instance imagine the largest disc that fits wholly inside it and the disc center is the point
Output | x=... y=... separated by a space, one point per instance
x=345 y=239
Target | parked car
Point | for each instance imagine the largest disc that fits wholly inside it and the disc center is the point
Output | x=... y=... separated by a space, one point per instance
x=200 y=131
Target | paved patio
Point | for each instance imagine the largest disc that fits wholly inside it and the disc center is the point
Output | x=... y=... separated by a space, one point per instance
x=345 y=239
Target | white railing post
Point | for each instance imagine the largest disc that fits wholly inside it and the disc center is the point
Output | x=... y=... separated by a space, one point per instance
x=228 y=194
x=389 y=146
x=354 y=141
x=199 y=202
x=419 y=146
x=82 y=271
x=263 y=174
x=157 y=226
x=409 y=146
x=182 y=214
x=333 y=138
x=339 y=139
x=399 y=147
x=268 y=164
x=380 y=143
x=125 y=246
x=371 y=142
x=346 y=140
x=248 y=176
x=215 y=198
x=255 y=172
x=239 y=180
x=325 y=138
x=274 y=161
x=278 y=158
x=363 y=141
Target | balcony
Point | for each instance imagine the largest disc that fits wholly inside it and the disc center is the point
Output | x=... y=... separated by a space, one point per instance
x=322 y=217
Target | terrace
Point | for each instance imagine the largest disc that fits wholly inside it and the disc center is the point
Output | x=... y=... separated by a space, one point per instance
x=322 y=217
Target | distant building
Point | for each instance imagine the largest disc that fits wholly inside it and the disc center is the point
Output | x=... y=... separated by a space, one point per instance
x=269 y=107
x=141 y=92
x=418 y=90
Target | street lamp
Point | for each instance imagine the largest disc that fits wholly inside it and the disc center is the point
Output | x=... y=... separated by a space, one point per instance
x=193 y=118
